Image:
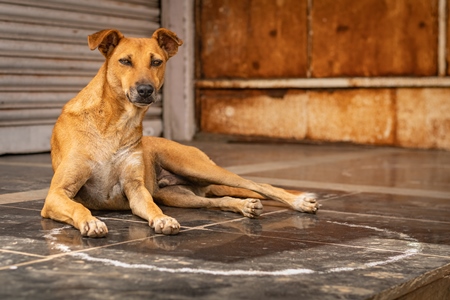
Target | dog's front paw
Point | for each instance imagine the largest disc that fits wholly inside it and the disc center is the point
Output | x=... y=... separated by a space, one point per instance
x=165 y=225
x=306 y=202
x=93 y=228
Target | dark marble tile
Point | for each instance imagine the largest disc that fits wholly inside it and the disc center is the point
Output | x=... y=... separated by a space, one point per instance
x=414 y=170
x=243 y=267
x=27 y=232
x=225 y=253
x=328 y=227
x=18 y=178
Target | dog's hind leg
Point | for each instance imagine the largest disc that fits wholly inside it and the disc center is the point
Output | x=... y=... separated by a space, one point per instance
x=195 y=165
x=214 y=190
x=184 y=197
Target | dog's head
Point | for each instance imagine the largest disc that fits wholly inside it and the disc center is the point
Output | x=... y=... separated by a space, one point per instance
x=135 y=66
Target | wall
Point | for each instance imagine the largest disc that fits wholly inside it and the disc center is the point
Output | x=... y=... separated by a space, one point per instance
x=368 y=71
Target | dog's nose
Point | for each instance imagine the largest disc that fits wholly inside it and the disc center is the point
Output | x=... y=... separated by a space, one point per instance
x=145 y=90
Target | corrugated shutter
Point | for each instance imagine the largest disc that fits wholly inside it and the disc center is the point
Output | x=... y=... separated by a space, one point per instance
x=45 y=61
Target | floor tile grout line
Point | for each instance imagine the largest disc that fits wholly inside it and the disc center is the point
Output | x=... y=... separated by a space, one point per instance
x=205 y=226
x=346 y=194
x=18 y=207
x=184 y=228
x=27 y=263
x=22 y=253
x=340 y=196
x=123 y=220
x=24 y=196
x=25 y=164
x=69 y=253
x=344 y=187
x=353 y=246
x=234 y=220
x=200 y=227
x=382 y=216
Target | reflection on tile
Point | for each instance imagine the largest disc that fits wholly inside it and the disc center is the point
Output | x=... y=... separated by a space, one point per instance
x=25 y=231
x=410 y=170
x=328 y=227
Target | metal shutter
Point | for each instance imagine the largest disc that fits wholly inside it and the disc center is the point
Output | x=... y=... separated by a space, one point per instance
x=45 y=61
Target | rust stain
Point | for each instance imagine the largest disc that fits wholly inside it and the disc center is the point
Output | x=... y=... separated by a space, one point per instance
x=374 y=38
x=274 y=114
x=359 y=116
x=423 y=118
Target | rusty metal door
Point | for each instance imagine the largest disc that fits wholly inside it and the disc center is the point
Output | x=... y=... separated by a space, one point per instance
x=368 y=71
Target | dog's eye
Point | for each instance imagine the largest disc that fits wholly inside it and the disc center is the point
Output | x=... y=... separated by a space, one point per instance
x=156 y=62
x=125 y=62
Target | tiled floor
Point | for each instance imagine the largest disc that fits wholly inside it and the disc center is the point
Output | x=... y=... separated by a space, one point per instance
x=383 y=233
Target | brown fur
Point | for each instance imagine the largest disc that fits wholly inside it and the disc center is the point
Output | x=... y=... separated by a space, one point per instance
x=102 y=161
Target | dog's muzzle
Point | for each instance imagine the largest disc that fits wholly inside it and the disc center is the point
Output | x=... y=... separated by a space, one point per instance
x=142 y=95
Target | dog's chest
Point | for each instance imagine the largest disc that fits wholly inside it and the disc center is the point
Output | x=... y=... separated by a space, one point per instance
x=104 y=188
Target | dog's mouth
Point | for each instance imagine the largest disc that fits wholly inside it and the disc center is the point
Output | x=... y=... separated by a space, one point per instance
x=141 y=102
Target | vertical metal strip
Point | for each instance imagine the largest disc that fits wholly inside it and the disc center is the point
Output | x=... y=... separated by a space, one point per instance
x=309 y=34
x=178 y=89
x=442 y=38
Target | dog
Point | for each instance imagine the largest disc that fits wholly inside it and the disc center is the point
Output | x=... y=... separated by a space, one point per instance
x=102 y=161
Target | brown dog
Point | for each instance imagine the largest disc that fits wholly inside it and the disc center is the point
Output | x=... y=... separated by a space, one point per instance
x=102 y=161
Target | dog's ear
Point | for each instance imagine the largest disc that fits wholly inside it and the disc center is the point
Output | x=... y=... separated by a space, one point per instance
x=105 y=40
x=168 y=41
